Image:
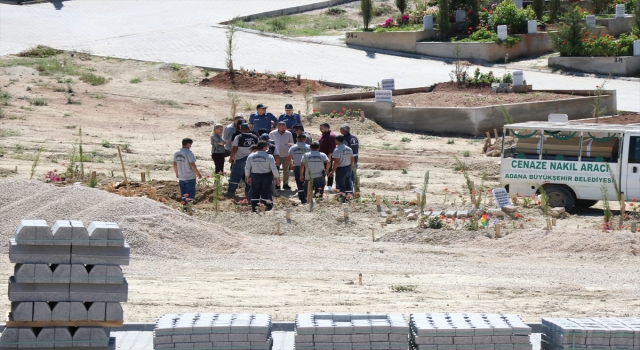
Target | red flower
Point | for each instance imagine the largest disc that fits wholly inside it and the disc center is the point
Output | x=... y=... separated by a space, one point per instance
x=633 y=199
x=518 y=216
x=564 y=43
x=446 y=189
x=183 y=203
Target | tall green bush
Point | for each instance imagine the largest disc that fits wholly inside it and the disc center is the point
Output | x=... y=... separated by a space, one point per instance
x=571 y=30
x=366 y=8
x=538 y=8
x=401 y=5
x=515 y=19
x=443 y=18
x=598 y=6
x=636 y=18
x=474 y=15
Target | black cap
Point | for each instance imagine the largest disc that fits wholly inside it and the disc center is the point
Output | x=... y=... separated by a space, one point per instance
x=264 y=136
x=261 y=106
x=288 y=106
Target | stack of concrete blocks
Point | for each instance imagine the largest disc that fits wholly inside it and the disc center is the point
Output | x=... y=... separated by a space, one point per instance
x=65 y=275
x=327 y=331
x=210 y=331
x=461 y=331
x=592 y=333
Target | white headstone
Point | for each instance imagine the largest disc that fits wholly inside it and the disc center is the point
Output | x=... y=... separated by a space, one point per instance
x=532 y=26
x=460 y=16
x=384 y=96
x=502 y=32
x=427 y=21
x=591 y=21
x=518 y=3
x=518 y=78
x=620 y=11
x=636 y=48
x=501 y=197
x=558 y=118
x=388 y=84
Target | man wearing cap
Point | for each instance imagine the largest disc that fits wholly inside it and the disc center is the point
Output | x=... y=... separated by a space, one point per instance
x=351 y=142
x=342 y=163
x=289 y=117
x=261 y=119
x=327 y=145
x=239 y=153
x=228 y=132
x=260 y=171
x=283 y=140
x=298 y=129
x=296 y=155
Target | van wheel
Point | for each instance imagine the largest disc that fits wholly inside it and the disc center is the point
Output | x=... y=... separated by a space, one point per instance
x=585 y=203
x=560 y=197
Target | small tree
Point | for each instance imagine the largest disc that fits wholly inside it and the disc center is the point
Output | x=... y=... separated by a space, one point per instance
x=401 y=5
x=599 y=109
x=538 y=8
x=636 y=18
x=568 y=39
x=443 y=19
x=231 y=44
x=366 y=8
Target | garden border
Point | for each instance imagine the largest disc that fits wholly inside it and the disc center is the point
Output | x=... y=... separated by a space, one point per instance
x=620 y=66
x=292 y=10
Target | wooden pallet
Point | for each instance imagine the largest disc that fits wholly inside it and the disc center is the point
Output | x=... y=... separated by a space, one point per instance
x=106 y=324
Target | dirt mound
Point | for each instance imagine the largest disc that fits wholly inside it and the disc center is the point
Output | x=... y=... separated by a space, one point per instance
x=152 y=229
x=617 y=119
x=263 y=83
x=431 y=236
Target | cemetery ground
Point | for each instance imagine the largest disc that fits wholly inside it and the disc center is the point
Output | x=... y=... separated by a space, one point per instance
x=233 y=261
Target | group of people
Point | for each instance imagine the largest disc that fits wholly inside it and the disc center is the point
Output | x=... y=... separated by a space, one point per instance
x=258 y=149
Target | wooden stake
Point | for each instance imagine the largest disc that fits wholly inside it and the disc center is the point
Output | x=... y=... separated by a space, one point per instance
x=278 y=232
x=16 y=171
x=298 y=78
x=94 y=175
x=360 y=279
x=124 y=172
x=346 y=214
x=288 y=216
x=553 y=221
x=489 y=138
x=495 y=134
x=418 y=198
x=231 y=67
x=310 y=195
x=299 y=112
x=143 y=177
x=373 y=235
x=498 y=228
x=362 y=116
x=377 y=199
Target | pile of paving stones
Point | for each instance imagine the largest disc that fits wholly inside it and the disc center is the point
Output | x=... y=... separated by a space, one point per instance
x=67 y=285
x=351 y=331
x=213 y=331
x=593 y=333
x=461 y=331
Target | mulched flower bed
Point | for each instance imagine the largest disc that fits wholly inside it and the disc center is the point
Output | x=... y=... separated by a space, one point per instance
x=278 y=83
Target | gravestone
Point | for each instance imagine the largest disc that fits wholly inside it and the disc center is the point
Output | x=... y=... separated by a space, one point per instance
x=591 y=21
x=384 y=96
x=518 y=3
x=518 y=78
x=532 y=26
x=636 y=48
x=460 y=16
x=558 y=118
x=388 y=84
x=620 y=11
x=502 y=32
x=501 y=197
x=427 y=21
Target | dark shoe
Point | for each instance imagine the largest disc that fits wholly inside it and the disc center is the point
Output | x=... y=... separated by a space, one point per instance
x=286 y=187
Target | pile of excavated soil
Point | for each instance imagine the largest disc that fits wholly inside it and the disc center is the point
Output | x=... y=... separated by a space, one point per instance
x=152 y=229
x=263 y=84
x=616 y=119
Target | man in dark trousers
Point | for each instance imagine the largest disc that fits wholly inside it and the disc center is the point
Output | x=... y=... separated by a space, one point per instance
x=260 y=170
x=342 y=163
x=239 y=153
x=327 y=145
x=289 y=117
x=318 y=167
x=262 y=119
x=296 y=157
x=351 y=142
x=184 y=164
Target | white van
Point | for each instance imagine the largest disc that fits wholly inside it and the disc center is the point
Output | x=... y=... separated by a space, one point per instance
x=571 y=161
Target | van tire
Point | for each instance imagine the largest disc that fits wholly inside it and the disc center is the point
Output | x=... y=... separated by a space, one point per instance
x=585 y=203
x=560 y=197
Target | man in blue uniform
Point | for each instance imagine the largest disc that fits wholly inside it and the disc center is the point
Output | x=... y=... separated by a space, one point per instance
x=289 y=117
x=239 y=152
x=351 y=142
x=342 y=162
x=260 y=171
x=262 y=119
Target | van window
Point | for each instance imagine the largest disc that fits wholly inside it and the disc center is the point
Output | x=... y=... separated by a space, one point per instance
x=634 y=149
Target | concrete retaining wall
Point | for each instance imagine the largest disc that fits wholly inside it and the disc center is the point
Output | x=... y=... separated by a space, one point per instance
x=394 y=41
x=531 y=44
x=616 y=26
x=474 y=120
x=292 y=10
x=621 y=66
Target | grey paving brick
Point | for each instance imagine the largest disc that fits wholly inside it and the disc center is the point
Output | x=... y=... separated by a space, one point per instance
x=79 y=274
x=60 y=311
x=24 y=273
x=202 y=345
x=41 y=311
x=443 y=340
x=341 y=338
x=181 y=338
x=26 y=338
x=379 y=345
x=43 y=274
x=398 y=338
x=100 y=255
x=9 y=338
x=97 y=274
x=62 y=232
x=116 y=237
x=29 y=232
x=520 y=339
x=482 y=339
x=219 y=337
x=22 y=311
x=99 y=336
x=114 y=312
x=379 y=337
x=46 y=338
x=200 y=338
x=77 y=311
x=94 y=292
x=37 y=291
x=501 y=339
x=162 y=339
x=61 y=273
x=222 y=344
x=98 y=234
x=31 y=254
x=96 y=311
x=82 y=337
x=240 y=337
x=240 y=344
x=63 y=337
x=252 y=337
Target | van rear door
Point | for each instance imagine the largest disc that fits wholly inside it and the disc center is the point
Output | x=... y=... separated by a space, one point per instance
x=630 y=170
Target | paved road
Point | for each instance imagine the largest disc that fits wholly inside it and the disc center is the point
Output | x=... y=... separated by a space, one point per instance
x=184 y=32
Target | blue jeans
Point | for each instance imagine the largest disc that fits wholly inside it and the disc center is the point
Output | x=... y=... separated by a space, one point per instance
x=188 y=187
x=343 y=180
x=302 y=189
x=261 y=190
x=237 y=174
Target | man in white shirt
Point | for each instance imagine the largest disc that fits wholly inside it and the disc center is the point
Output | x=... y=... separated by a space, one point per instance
x=283 y=140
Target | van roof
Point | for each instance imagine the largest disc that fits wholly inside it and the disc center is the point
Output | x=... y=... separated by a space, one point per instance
x=573 y=126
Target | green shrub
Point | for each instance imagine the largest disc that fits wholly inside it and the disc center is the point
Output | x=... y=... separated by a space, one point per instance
x=335 y=11
x=93 y=79
x=636 y=18
x=382 y=10
x=572 y=29
x=39 y=51
x=39 y=101
x=135 y=80
x=515 y=19
x=366 y=9
x=443 y=18
x=538 y=8
x=401 y=5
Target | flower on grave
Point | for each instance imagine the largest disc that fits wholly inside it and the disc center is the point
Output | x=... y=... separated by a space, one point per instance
x=446 y=189
x=631 y=204
x=529 y=219
x=441 y=217
x=633 y=199
x=518 y=216
x=564 y=42
x=183 y=202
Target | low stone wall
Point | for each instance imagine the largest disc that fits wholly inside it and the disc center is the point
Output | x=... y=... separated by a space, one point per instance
x=621 y=66
x=394 y=41
x=616 y=26
x=468 y=120
x=531 y=44
x=292 y=10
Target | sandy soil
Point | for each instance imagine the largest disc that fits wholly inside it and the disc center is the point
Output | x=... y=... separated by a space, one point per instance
x=234 y=261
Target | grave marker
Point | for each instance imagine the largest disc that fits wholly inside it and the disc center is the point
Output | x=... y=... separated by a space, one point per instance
x=518 y=78
x=384 y=96
x=502 y=32
x=427 y=22
x=518 y=3
x=501 y=197
x=460 y=16
x=532 y=26
x=558 y=118
x=591 y=21
x=388 y=84
x=620 y=11
x=636 y=49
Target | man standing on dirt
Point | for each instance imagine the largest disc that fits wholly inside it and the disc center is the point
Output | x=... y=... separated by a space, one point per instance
x=318 y=167
x=327 y=145
x=260 y=172
x=342 y=163
x=351 y=142
x=184 y=164
x=262 y=119
x=289 y=117
x=296 y=155
x=239 y=153
x=298 y=129
x=283 y=140
x=229 y=130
